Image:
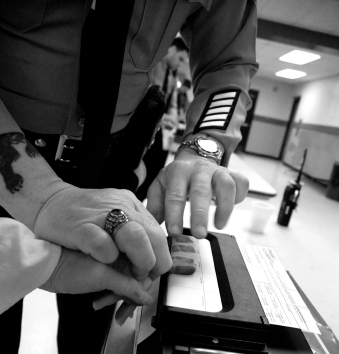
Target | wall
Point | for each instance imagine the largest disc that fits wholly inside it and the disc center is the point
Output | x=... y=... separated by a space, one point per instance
x=316 y=128
x=271 y=115
x=320 y=102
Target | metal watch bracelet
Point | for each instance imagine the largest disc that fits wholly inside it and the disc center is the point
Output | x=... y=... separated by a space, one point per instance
x=198 y=144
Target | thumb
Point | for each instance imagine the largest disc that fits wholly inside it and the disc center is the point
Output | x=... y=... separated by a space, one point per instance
x=125 y=287
x=107 y=298
x=126 y=309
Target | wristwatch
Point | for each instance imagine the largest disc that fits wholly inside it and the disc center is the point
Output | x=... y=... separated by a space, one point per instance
x=205 y=147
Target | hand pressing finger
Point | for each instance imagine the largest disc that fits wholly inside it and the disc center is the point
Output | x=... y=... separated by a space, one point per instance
x=134 y=242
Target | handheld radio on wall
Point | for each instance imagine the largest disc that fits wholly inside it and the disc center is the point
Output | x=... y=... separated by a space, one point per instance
x=291 y=196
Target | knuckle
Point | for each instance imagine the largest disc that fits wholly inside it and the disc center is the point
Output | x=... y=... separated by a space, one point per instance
x=223 y=178
x=136 y=229
x=127 y=193
x=201 y=213
x=201 y=191
x=98 y=245
x=137 y=233
x=222 y=175
x=175 y=197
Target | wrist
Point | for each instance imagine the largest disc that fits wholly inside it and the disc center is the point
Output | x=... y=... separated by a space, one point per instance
x=191 y=137
x=27 y=180
x=203 y=145
x=26 y=206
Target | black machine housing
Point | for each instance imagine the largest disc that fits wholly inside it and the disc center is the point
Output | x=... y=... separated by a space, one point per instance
x=241 y=325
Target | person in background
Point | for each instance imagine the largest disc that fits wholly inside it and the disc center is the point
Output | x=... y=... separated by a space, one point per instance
x=183 y=100
x=183 y=104
x=40 y=44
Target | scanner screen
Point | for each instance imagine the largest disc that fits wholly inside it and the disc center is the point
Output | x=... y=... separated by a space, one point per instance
x=197 y=291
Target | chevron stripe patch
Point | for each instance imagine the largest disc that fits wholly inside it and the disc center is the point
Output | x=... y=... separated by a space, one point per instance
x=218 y=111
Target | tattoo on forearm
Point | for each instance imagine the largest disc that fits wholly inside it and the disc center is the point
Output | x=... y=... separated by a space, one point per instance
x=8 y=155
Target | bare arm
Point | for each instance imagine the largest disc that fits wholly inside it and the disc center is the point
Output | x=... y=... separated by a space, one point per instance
x=27 y=180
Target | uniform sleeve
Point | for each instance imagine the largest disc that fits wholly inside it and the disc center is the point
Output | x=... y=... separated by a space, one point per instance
x=25 y=262
x=7 y=123
x=222 y=59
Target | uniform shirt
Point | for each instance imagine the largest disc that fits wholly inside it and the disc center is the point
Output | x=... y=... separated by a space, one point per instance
x=25 y=262
x=40 y=49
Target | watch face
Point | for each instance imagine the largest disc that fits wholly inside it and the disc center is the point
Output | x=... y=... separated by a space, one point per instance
x=208 y=145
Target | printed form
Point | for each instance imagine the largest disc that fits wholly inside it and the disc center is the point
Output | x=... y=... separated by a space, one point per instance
x=279 y=297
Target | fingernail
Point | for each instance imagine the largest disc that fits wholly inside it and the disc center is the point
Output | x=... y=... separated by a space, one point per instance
x=200 y=231
x=119 y=321
x=174 y=230
x=97 y=307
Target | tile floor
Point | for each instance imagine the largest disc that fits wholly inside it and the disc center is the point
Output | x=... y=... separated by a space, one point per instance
x=322 y=214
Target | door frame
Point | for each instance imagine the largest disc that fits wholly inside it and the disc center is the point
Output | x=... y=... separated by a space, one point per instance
x=290 y=122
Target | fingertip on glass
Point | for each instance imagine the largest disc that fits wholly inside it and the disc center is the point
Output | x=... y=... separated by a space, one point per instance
x=220 y=224
x=174 y=230
x=199 y=231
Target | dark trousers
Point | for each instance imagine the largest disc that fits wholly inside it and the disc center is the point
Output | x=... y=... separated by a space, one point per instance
x=81 y=329
x=10 y=329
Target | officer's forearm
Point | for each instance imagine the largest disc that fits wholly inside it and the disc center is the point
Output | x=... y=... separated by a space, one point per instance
x=26 y=181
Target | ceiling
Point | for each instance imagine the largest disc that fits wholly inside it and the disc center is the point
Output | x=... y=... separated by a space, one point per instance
x=311 y=25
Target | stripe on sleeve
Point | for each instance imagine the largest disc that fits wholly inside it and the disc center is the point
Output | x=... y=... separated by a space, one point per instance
x=218 y=111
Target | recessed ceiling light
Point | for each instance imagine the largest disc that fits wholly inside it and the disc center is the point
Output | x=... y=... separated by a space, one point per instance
x=290 y=74
x=299 y=57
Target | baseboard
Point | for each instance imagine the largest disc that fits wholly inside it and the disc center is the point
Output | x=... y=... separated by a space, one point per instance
x=323 y=182
x=261 y=155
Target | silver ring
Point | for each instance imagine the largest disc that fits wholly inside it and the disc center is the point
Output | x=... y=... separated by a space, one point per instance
x=115 y=219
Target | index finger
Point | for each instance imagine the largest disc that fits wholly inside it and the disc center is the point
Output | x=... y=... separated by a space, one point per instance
x=200 y=198
x=175 y=202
